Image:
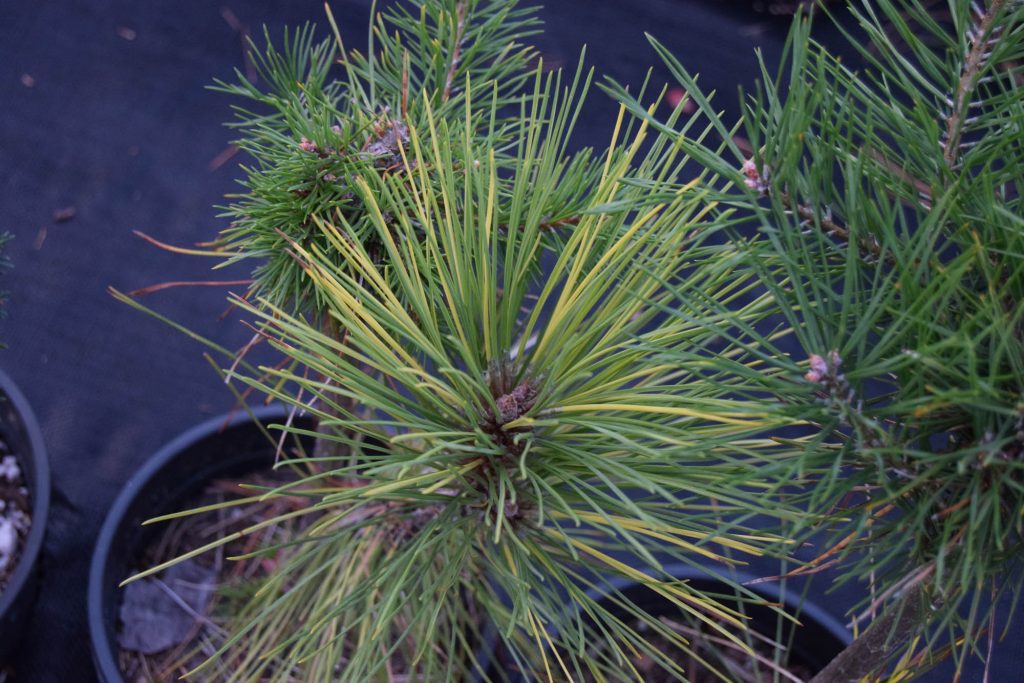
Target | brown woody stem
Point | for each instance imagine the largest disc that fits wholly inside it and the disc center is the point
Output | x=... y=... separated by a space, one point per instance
x=325 y=447
x=973 y=63
x=830 y=226
x=879 y=642
x=453 y=64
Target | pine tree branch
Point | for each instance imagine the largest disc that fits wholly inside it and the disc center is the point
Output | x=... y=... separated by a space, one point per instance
x=453 y=64
x=972 y=65
x=756 y=179
x=570 y=222
x=871 y=649
x=868 y=246
x=325 y=446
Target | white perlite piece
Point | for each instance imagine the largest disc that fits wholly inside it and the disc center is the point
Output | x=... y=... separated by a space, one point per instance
x=9 y=468
x=8 y=541
x=14 y=523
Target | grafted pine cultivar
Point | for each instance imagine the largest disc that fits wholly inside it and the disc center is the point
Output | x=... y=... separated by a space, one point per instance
x=477 y=321
x=531 y=434
x=891 y=198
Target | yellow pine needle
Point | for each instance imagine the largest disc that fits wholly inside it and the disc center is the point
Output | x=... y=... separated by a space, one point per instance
x=422 y=198
x=336 y=519
x=727 y=418
x=624 y=380
x=666 y=589
x=539 y=631
x=215 y=544
x=204 y=508
x=353 y=573
x=488 y=300
x=587 y=231
x=364 y=266
x=375 y=333
x=625 y=239
x=666 y=532
x=613 y=144
x=216 y=253
x=469 y=467
x=368 y=323
x=448 y=220
x=381 y=489
x=519 y=422
x=507 y=550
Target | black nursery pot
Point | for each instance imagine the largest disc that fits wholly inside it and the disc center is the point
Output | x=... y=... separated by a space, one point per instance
x=20 y=431
x=817 y=641
x=219 y=448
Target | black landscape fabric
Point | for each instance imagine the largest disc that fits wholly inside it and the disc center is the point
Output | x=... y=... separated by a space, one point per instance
x=106 y=128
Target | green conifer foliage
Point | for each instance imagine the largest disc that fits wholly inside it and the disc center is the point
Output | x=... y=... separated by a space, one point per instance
x=890 y=197
x=505 y=437
x=817 y=342
x=313 y=129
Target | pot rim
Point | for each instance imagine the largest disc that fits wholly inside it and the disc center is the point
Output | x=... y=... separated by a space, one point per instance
x=40 y=493
x=793 y=601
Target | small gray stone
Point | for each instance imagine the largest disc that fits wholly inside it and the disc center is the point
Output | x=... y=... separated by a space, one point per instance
x=152 y=620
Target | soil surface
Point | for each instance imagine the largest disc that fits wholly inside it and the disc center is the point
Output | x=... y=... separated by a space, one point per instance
x=173 y=621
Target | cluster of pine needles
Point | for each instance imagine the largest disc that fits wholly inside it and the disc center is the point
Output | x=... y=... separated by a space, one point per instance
x=535 y=373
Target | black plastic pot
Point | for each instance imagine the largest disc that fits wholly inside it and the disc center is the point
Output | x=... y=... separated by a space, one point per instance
x=19 y=429
x=818 y=639
x=218 y=448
